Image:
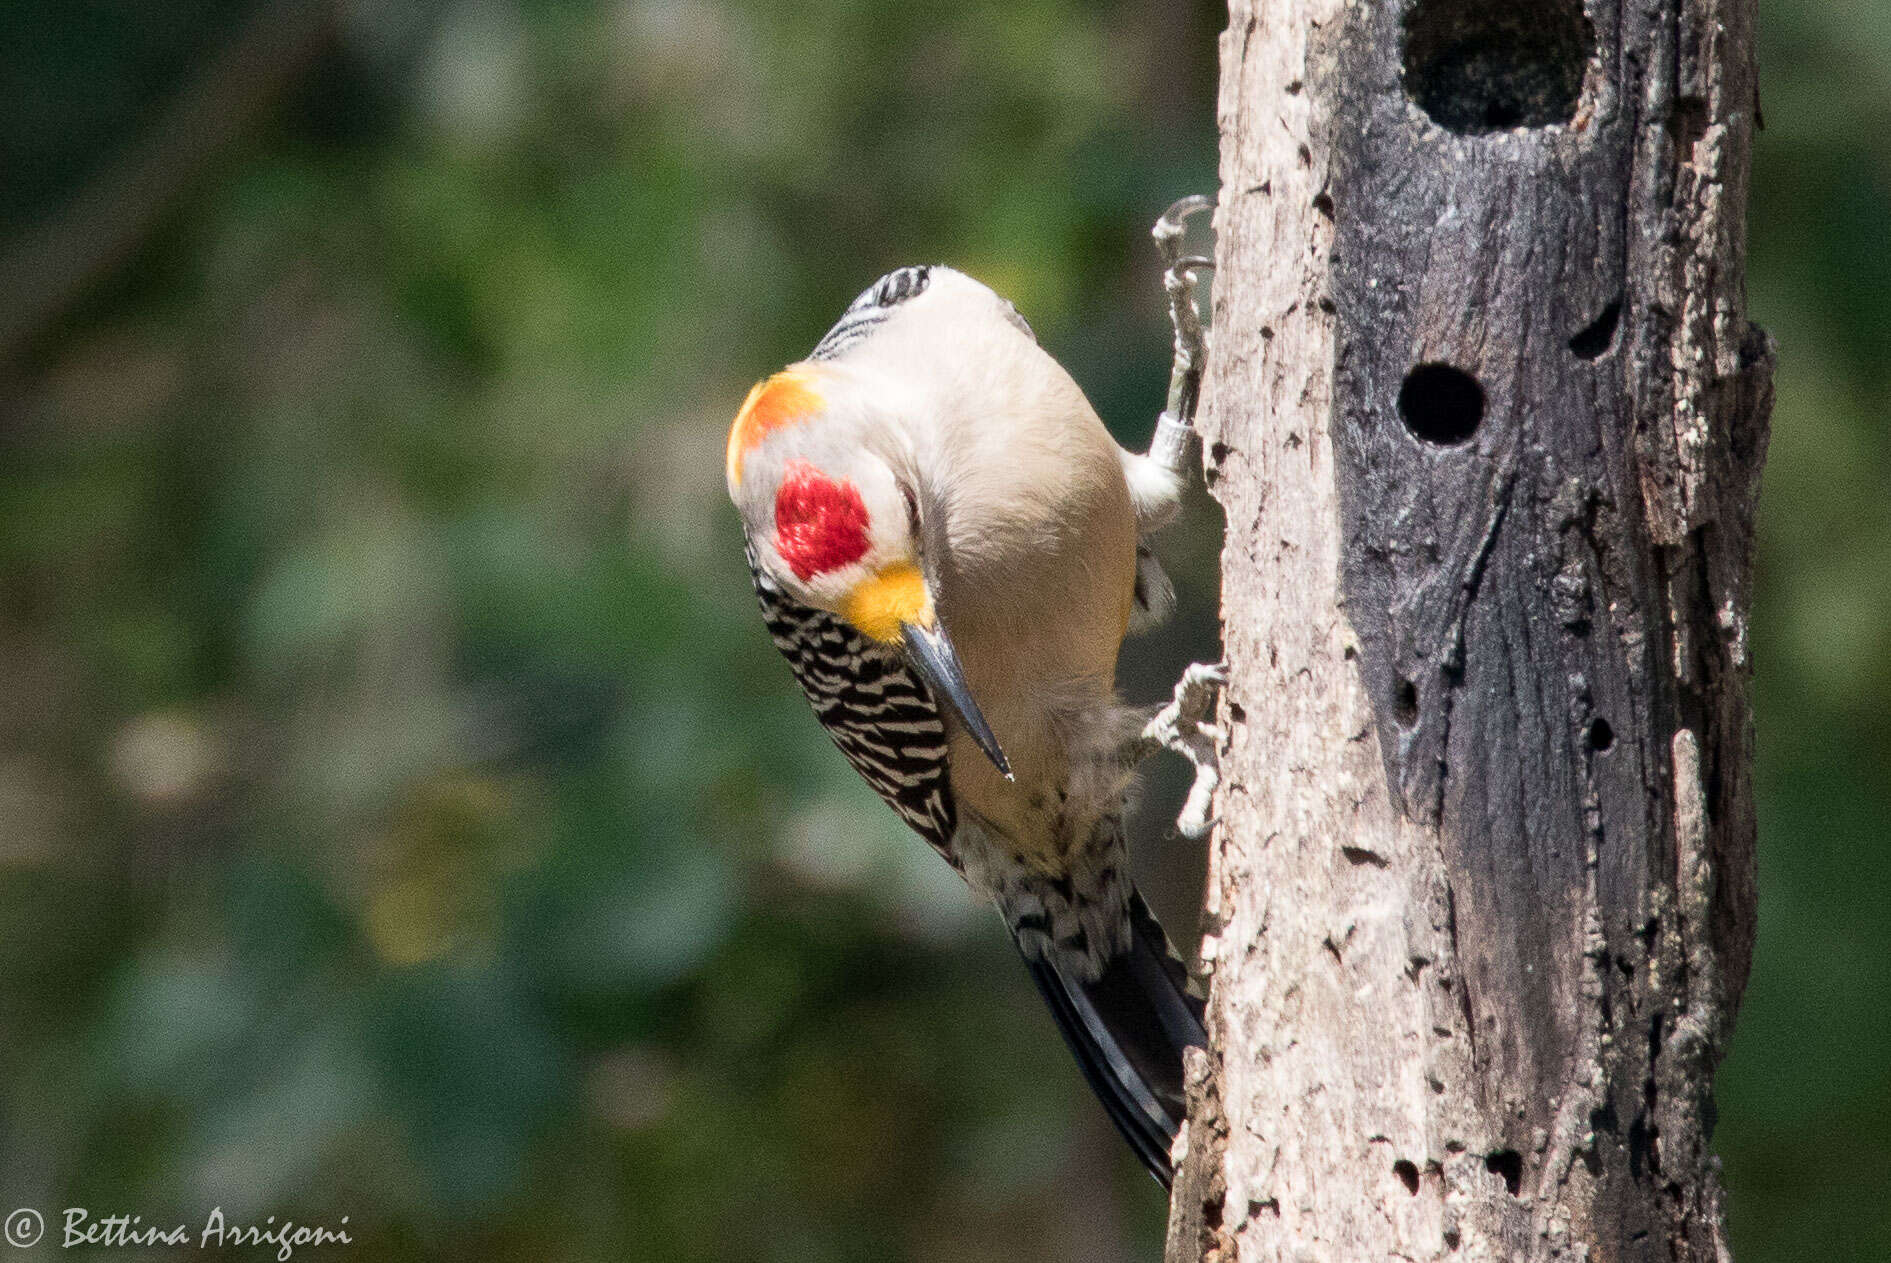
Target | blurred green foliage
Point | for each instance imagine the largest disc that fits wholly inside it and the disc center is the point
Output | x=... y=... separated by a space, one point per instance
x=402 y=814
x=402 y=811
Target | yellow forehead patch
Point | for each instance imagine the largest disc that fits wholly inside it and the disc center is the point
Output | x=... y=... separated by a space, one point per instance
x=787 y=397
x=878 y=606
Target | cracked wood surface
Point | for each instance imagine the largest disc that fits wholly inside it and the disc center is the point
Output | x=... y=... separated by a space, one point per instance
x=1481 y=895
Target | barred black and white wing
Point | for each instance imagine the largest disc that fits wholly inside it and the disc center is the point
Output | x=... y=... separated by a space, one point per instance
x=872 y=705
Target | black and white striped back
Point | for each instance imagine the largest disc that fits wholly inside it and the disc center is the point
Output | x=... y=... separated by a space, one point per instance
x=872 y=705
x=868 y=310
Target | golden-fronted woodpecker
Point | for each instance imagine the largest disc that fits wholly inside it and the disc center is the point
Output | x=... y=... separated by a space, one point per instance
x=945 y=542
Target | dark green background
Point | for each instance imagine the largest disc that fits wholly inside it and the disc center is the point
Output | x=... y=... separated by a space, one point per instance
x=402 y=813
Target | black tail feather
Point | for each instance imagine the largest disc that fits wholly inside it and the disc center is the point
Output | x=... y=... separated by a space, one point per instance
x=1127 y=1030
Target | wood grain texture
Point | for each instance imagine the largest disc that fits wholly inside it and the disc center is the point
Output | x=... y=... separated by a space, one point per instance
x=1487 y=419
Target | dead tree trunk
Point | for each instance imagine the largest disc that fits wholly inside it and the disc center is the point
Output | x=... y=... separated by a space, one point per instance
x=1487 y=418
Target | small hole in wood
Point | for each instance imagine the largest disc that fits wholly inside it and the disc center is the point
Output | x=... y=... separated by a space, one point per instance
x=1507 y=1163
x=1600 y=735
x=1408 y=1175
x=1594 y=339
x=1476 y=67
x=1441 y=405
x=1405 y=704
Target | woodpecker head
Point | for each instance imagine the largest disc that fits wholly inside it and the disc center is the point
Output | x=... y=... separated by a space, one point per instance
x=830 y=506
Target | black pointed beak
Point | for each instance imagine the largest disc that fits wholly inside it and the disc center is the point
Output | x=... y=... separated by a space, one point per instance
x=937 y=662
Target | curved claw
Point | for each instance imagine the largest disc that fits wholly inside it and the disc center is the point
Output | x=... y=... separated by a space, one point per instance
x=1186 y=726
x=1179 y=279
x=1189 y=263
x=1173 y=224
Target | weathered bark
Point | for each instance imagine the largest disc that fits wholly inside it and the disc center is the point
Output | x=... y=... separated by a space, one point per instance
x=1487 y=418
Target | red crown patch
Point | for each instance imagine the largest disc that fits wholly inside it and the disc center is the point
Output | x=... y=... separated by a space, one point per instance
x=820 y=524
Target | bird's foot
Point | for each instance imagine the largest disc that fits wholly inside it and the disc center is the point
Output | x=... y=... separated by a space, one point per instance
x=1187 y=726
x=1172 y=444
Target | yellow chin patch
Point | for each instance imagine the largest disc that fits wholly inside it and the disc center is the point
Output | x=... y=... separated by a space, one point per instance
x=879 y=605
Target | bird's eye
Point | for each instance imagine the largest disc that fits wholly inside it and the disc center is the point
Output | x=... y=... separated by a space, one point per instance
x=912 y=509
